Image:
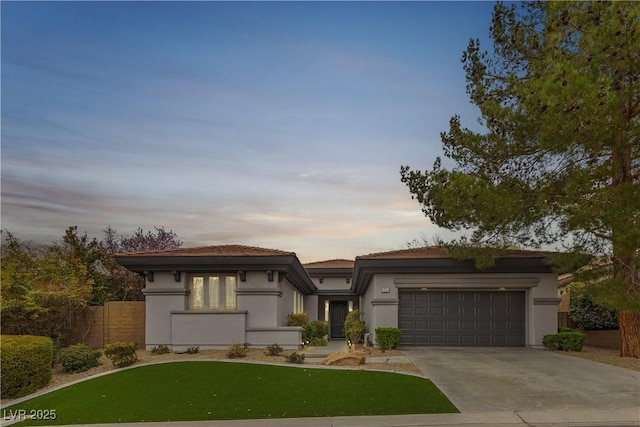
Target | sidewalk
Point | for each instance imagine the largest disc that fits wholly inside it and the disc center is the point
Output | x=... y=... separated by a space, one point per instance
x=564 y=418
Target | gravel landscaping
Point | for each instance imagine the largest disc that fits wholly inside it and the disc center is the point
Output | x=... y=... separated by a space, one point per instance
x=606 y=355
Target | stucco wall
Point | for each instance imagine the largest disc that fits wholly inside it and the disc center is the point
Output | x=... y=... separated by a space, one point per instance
x=381 y=297
x=311 y=307
x=332 y=283
x=162 y=296
x=259 y=298
x=285 y=303
x=208 y=329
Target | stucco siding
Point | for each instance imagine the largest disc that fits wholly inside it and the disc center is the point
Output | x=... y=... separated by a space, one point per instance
x=162 y=296
x=311 y=307
x=287 y=337
x=332 y=283
x=208 y=329
x=285 y=303
x=259 y=298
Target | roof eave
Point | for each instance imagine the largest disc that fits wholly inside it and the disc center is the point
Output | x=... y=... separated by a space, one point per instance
x=288 y=264
x=365 y=269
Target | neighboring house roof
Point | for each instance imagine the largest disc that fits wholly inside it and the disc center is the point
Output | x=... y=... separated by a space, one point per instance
x=439 y=252
x=330 y=268
x=222 y=258
x=331 y=263
x=436 y=259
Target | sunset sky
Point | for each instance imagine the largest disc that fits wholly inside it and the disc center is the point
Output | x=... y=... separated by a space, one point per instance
x=281 y=125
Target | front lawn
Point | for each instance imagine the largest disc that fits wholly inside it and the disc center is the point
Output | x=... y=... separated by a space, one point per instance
x=206 y=390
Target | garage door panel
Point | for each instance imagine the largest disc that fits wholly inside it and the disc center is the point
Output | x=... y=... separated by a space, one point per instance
x=462 y=318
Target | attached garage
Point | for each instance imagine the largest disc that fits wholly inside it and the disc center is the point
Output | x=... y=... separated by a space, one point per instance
x=462 y=318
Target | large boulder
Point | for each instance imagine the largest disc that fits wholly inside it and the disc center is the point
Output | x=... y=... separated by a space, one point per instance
x=344 y=359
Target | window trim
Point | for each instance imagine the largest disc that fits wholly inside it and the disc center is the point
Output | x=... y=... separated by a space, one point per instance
x=222 y=291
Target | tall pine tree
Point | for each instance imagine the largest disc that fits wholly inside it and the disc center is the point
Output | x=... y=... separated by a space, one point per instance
x=559 y=160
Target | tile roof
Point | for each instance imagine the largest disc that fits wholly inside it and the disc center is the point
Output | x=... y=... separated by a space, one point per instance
x=331 y=263
x=434 y=252
x=220 y=250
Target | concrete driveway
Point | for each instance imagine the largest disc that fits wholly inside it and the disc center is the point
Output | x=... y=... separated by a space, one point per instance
x=524 y=379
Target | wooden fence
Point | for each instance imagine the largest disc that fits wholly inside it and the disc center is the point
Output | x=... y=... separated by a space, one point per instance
x=114 y=322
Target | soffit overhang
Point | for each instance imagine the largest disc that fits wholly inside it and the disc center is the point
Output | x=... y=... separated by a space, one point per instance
x=365 y=269
x=287 y=264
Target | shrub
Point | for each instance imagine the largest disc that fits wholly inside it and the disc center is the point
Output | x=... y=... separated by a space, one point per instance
x=193 y=350
x=26 y=362
x=236 y=351
x=299 y=319
x=318 y=342
x=295 y=358
x=565 y=341
x=121 y=353
x=387 y=338
x=321 y=328
x=160 y=349
x=78 y=358
x=314 y=333
x=274 y=350
x=564 y=329
x=354 y=327
x=588 y=315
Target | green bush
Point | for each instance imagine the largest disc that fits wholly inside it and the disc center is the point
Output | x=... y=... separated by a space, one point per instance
x=387 y=338
x=26 y=362
x=314 y=333
x=564 y=329
x=236 y=351
x=274 y=350
x=354 y=327
x=299 y=319
x=121 y=353
x=321 y=328
x=588 y=315
x=295 y=358
x=160 y=349
x=318 y=342
x=78 y=358
x=564 y=341
x=193 y=350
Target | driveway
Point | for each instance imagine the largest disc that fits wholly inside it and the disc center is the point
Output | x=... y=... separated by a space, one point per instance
x=524 y=379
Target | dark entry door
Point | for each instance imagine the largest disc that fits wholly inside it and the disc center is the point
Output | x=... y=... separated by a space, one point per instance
x=337 y=315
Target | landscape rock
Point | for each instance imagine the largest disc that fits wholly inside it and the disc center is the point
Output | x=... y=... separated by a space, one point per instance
x=344 y=359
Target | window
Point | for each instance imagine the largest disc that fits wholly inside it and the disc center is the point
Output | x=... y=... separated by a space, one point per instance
x=213 y=291
x=298 y=303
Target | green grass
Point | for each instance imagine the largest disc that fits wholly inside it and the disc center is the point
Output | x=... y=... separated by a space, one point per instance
x=206 y=390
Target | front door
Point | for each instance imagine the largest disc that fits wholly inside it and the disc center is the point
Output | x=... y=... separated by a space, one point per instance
x=337 y=315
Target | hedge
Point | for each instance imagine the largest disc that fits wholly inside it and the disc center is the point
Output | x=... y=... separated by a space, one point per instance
x=26 y=362
x=565 y=341
x=387 y=338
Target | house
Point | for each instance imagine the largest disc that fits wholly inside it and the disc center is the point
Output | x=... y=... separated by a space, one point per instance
x=218 y=295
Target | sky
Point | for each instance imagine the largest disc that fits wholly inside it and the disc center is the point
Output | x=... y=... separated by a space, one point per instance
x=280 y=125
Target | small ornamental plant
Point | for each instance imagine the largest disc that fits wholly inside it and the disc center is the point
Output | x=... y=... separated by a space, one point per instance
x=160 y=349
x=237 y=351
x=121 y=353
x=274 y=350
x=295 y=358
